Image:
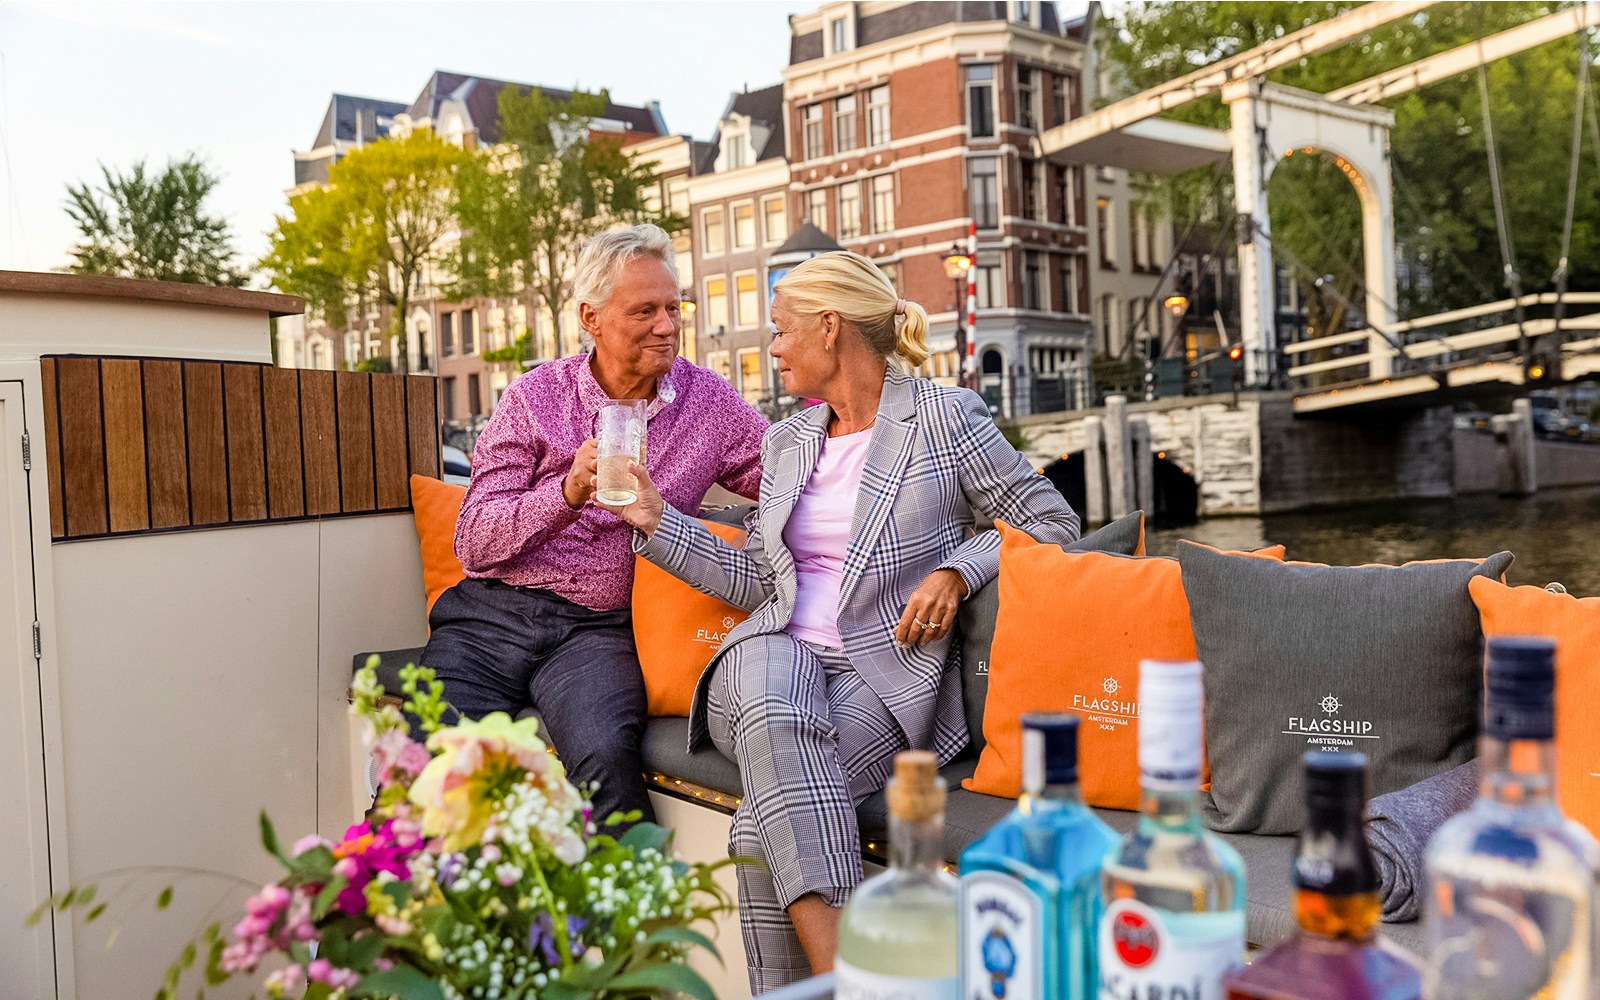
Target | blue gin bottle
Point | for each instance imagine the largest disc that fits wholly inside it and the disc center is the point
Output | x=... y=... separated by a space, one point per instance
x=1510 y=908
x=1029 y=887
x=1173 y=922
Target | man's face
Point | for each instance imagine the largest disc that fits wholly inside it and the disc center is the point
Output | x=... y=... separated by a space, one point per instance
x=638 y=329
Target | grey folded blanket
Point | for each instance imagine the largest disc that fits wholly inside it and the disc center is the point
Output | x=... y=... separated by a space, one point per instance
x=1399 y=826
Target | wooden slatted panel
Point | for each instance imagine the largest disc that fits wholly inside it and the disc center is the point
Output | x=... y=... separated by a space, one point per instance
x=389 y=451
x=280 y=402
x=354 y=397
x=127 y=491
x=52 y=447
x=208 y=453
x=319 y=431
x=167 y=444
x=247 y=455
x=422 y=413
x=83 y=457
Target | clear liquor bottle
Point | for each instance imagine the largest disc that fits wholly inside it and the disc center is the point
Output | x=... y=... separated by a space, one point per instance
x=1336 y=954
x=897 y=935
x=1030 y=890
x=1174 y=893
x=1511 y=881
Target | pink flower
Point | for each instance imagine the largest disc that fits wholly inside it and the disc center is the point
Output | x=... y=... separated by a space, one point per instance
x=306 y=843
x=369 y=852
x=398 y=754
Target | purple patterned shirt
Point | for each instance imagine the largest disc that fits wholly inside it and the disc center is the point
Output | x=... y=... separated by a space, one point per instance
x=515 y=524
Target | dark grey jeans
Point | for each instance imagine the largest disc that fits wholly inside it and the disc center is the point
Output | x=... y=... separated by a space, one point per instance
x=499 y=648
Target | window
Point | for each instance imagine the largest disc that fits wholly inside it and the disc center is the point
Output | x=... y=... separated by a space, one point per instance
x=838 y=35
x=717 y=361
x=750 y=373
x=474 y=395
x=1108 y=317
x=878 y=115
x=1022 y=10
x=817 y=208
x=1067 y=192
x=844 y=123
x=774 y=219
x=1027 y=97
x=990 y=280
x=467 y=345
x=744 y=226
x=849 y=210
x=746 y=299
x=980 y=101
x=811 y=130
x=882 y=203
x=1135 y=317
x=1032 y=190
x=1069 y=283
x=1058 y=99
x=890 y=271
x=733 y=152
x=716 y=303
x=1032 y=281
x=447 y=335
x=1138 y=244
x=1151 y=237
x=985 y=188
x=711 y=226
x=450 y=398
x=1106 y=231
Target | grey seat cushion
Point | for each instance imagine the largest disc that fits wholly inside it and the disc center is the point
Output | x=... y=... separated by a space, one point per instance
x=978 y=612
x=1300 y=657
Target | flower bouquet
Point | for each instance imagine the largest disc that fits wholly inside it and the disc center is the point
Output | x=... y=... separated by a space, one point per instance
x=477 y=873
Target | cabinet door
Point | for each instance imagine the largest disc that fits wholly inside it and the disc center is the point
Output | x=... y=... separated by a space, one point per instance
x=26 y=955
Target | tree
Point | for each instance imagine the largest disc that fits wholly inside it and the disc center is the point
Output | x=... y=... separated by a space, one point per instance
x=1444 y=214
x=528 y=204
x=152 y=225
x=368 y=236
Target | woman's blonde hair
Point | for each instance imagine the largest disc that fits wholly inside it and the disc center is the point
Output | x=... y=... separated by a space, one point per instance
x=852 y=286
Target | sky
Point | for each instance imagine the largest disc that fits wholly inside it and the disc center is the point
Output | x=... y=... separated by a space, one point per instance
x=245 y=84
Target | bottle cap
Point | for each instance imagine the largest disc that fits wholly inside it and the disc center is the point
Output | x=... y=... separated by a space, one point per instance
x=1049 y=750
x=1333 y=857
x=916 y=792
x=1519 y=702
x=1170 y=702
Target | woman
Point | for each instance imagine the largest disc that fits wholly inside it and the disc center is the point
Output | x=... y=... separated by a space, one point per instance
x=859 y=553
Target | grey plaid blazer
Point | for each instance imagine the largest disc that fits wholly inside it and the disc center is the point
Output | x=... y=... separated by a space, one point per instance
x=935 y=459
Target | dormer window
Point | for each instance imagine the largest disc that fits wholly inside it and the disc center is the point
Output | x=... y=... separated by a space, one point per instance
x=733 y=152
x=841 y=35
x=1022 y=11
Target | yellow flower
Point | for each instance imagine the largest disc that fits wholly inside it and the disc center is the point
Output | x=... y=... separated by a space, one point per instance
x=452 y=789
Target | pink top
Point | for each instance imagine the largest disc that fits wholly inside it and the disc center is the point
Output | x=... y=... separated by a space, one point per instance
x=515 y=524
x=817 y=534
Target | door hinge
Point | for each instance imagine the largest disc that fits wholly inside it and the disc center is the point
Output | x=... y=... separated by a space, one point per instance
x=27 y=453
x=38 y=650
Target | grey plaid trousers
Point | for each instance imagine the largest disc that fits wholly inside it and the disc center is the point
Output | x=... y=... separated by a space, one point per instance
x=812 y=741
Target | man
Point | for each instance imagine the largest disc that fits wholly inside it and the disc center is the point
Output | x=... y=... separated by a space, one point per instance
x=543 y=619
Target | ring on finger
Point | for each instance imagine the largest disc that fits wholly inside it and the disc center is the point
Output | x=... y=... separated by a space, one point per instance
x=919 y=621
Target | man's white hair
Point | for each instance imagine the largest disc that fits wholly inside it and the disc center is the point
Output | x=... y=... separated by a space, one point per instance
x=595 y=276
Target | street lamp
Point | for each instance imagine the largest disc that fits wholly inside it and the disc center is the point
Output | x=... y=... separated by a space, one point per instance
x=956 y=265
x=1176 y=304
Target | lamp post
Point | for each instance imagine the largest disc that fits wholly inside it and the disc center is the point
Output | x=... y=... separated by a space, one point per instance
x=956 y=265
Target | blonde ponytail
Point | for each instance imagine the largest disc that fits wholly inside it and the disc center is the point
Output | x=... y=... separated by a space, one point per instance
x=851 y=285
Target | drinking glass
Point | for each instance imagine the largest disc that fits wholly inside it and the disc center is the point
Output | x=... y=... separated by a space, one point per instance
x=620 y=428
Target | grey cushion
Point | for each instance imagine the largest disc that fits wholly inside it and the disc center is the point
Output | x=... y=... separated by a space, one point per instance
x=978 y=613
x=1381 y=659
x=389 y=663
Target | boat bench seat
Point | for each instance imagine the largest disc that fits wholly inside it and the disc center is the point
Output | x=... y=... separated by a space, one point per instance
x=711 y=779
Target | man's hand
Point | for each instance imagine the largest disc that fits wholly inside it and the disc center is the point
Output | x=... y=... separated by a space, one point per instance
x=931 y=611
x=645 y=512
x=578 y=486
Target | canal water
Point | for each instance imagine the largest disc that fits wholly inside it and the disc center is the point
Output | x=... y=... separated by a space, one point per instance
x=1554 y=534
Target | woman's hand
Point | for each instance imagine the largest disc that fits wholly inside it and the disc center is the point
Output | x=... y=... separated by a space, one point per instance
x=931 y=611
x=645 y=511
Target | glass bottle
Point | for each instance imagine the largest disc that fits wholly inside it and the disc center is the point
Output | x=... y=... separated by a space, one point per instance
x=1030 y=885
x=1174 y=893
x=1511 y=881
x=897 y=935
x=1336 y=954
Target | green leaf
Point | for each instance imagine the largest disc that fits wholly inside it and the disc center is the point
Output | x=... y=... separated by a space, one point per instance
x=326 y=898
x=643 y=836
x=362 y=951
x=269 y=839
x=316 y=863
x=94 y=914
x=684 y=935
x=214 y=974
x=164 y=899
x=401 y=983
x=673 y=978
x=85 y=896
x=187 y=956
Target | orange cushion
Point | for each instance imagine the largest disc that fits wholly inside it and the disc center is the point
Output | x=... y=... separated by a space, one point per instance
x=1574 y=624
x=677 y=628
x=436 y=505
x=1069 y=636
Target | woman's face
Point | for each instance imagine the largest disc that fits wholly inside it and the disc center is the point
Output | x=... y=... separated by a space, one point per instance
x=805 y=365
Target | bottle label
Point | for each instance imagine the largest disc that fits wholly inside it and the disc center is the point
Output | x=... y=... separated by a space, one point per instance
x=853 y=983
x=1002 y=937
x=1147 y=954
x=1169 y=750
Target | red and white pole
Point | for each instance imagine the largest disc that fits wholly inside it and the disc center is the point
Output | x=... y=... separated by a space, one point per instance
x=968 y=370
